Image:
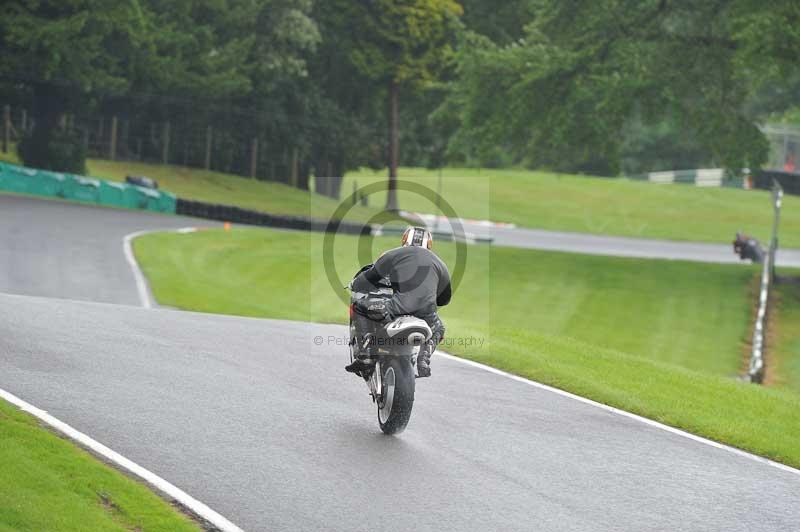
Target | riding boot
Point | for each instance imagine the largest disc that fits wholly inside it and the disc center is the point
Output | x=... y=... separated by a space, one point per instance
x=361 y=353
x=424 y=360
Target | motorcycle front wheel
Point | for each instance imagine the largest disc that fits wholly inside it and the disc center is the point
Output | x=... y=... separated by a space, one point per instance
x=397 y=394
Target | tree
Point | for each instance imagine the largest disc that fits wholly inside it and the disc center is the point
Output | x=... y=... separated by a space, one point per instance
x=400 y=44
x=585 y=68
x=64 y=48
x=72 y=51
x=502 y=22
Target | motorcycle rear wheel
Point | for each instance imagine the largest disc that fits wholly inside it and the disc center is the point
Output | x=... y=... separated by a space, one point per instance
x=397 y=395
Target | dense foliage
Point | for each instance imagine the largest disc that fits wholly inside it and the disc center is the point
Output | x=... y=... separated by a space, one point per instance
x=601 y=87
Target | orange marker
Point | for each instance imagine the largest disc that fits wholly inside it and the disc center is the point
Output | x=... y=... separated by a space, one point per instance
x=227 y=226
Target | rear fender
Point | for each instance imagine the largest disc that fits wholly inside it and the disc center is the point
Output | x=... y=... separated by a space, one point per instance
x=416 y=330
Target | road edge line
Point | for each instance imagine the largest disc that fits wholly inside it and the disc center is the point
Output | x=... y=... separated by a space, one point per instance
x=142 y=286
x=197 y=507
x=141 y=283
x=624 y=413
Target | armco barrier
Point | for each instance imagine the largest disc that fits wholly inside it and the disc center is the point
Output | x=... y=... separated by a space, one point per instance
x=23 y=180
x=228 y=213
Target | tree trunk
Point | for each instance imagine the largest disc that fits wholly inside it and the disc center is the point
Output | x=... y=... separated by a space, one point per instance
x=328 y=186
x=394 y=145
x=50 y=104
x=294 y=170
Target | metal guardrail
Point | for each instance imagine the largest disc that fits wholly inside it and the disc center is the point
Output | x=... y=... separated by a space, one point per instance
x=755 y=372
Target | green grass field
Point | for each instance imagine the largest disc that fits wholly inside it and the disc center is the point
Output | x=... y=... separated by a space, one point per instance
x=50 y=484
x=597 y=205
x=662 y=339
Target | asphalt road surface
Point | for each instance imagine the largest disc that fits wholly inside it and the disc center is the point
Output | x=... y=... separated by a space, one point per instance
x=615 y=245
x=70 y=250
x=263 y=425
x=629 y=247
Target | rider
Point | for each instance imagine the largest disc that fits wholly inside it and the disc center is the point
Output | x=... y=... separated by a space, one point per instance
x=421 y=283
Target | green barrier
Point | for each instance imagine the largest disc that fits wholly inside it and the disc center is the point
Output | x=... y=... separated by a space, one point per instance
x=133 y=199
x=150 y=199
x=82 y=189
x=23 y=180
x=168 y=202
x=112 y=193
x=49 y=184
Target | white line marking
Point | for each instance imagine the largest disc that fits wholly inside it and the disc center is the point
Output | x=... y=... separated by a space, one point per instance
x=629 y=415
x=151 y=478
x=138 y=276
x=141 y=282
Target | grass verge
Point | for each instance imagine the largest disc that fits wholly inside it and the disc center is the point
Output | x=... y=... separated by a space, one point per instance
x=784 y=334
x=658 y=338
x=50 y=484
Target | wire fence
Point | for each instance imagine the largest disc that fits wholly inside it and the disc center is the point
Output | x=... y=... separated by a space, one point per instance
x=182 y=140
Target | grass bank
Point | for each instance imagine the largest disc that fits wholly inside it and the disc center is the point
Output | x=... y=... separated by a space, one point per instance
x=784 y=335
x=49 y=484
x=217 y=187
x=662 y=339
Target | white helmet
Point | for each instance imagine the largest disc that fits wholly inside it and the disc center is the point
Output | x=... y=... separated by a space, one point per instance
x=417 y=236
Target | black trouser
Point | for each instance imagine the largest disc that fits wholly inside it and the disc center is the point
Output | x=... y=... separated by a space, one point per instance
x=437 y=329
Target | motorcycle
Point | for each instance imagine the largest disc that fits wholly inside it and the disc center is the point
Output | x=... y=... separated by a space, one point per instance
x=394 y=348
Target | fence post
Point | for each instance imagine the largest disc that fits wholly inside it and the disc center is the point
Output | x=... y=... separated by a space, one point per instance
x=209 y=133
x=253 y=157
x=6 y=127
x=165 y=143
x=777 y=196
x=294 y=167
x=113 y=145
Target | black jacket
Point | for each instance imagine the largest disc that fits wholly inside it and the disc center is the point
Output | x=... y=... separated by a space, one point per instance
x=421 y=281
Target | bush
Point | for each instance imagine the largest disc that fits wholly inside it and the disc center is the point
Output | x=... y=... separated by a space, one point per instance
x=60 y=151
